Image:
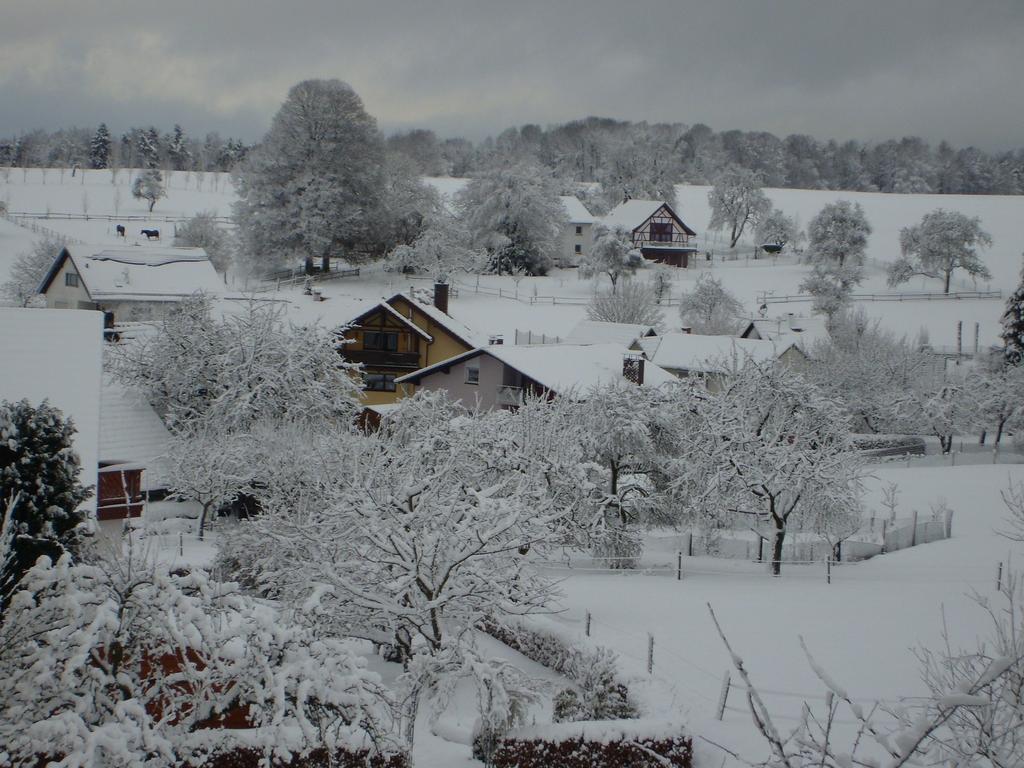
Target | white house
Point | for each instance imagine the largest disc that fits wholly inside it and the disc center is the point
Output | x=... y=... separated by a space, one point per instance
x=577 y=234
x=127 y=283
x=656 y=230
x=805 y=332
x=499 y=376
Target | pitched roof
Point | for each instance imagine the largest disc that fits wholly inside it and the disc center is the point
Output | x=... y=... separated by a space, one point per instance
x=576 y=211
x=692 y=352
x=387 y=308
x=132 y=433
x=459 y=330
x=55 y=354
x=632 y=213
x=138 y=273
x=805 y=332
x=598 y=332
x=561 y=368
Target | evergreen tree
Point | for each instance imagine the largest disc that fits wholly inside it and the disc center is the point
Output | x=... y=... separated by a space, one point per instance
x=177 y=151
x=39 y=485
x=99 y=147
x=148 y=147
x=1013 y=325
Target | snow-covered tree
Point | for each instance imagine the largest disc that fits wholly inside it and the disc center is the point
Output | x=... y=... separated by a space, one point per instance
x=99 y=147
x=773 y=451
x=778 y=229
x=612 y=254
x=147 y=147
x=709 y=308
x=149 y=186
x=203 y=231
x=40 y=490
x=515 y=214
x=936 y=405
x=838 y=235
x=313 y=187
x=248 y=368
x=409 y=204
x=635 y=302
x=28 y=270
x=736 y=201
x=125 y=663
x=443 y=248
x=1013 y=326
x=177 y=150
x=942 y=243
x=832 y=286
x=997 y=391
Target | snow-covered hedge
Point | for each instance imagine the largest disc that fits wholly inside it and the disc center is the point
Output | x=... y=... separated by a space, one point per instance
x=608 y=744
x=889 y=445
x=243 y=757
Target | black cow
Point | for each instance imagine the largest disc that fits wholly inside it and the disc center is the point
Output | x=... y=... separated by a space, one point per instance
x=120 y=230
x=150 y=233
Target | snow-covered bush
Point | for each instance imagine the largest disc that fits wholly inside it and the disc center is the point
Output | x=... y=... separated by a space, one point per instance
x=592 y=745
x=28 y=270
x=634 y=302
x=709 y=308
x=203 y=231
x=612 y=254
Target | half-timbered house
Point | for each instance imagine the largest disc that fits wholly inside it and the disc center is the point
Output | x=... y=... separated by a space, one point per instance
x=657 y=231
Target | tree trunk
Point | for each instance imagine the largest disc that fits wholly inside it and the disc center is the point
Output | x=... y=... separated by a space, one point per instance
x=202 y=519
x=325 y=264
x=949 y=274
x=151 y=204
x=999 y=431
x=946 y=443
x=777 y=539
x=309 y=265
x=981 y=440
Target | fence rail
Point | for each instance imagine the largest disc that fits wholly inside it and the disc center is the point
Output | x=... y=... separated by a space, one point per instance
x=766 y=298
x=109 y=217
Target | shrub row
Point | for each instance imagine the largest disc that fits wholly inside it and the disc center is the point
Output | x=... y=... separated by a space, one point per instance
x=595 y=745
x=247 y=757
x=889 y=445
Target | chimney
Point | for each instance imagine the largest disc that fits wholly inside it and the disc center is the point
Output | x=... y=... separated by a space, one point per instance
x=495 y=340
x=687 y=329
x=441 y=296
x=633 y=368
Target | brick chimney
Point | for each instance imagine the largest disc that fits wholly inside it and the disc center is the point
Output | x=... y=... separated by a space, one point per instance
x=633 y=368
x=441 y=296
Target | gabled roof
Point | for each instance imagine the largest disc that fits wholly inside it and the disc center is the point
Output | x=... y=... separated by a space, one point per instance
x=631 y=214
x=132 y=433
x=805 y=332
x=561 y=368
x=55 y=355
x=598 y=332
x=460 y=331
x=576 y=211
x=138 y=273
x=707 y=354
x=392 y=312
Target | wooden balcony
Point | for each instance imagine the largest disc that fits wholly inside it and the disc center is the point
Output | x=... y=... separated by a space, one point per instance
x=375 y=358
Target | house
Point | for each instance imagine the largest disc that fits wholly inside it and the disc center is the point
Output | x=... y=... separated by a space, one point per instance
x=577 y=234
x=500 y=376
x=656 y=230
x=400 y=335
x=599 y=332
x=127 y=283
x=805 y=332
x=711 y=357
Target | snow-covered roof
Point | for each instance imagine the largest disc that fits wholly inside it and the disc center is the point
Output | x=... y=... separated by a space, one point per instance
x=139 y=273
x=805 y=332
x=387 y=308
x=458 y=329
x=692 y=352
x=576 y=211
x=132 y=433
x=562 y=368
x=56 y=355
x=597 y=332
x=631 y=214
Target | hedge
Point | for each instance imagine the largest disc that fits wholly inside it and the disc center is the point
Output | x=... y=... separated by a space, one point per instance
x=616 y=744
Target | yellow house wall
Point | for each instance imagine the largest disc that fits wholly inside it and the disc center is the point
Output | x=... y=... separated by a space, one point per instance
x=61 y=296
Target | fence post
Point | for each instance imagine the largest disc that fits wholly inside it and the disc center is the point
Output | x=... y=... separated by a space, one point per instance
x=650 y=653
x=586 y=624
x=999 y=577
x=181 y=544
x=913 y=531
x=949 y=523
x=828 y=570
x=885 y=527
x=679 y=565
x=689 y=544
x=722 y=697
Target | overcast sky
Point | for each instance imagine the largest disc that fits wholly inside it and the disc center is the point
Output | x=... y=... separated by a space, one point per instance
x=851 y=69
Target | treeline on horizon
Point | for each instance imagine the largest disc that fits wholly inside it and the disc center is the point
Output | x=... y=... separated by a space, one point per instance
x=595 y=149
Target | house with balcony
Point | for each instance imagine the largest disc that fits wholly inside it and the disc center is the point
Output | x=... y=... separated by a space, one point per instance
x=500 y=376
x=659 y=234
x=401 y=335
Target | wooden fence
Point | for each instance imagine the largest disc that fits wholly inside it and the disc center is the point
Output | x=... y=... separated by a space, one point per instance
x=110 y=217
x=766 y=298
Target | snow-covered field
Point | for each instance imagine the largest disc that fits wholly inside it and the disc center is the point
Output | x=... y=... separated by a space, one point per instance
x=189 y=193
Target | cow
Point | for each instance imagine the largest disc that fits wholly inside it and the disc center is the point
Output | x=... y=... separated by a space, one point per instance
x=120 y=230
x=150 y=233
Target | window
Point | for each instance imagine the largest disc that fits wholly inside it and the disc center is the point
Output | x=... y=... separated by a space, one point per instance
x=579 y=248
x=71 y=279
x=579 y=229
x=385 y=342
x=661 y=232
x=472 y=374
x=379 y=382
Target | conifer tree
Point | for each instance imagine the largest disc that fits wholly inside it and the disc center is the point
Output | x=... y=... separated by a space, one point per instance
x=39 y=484
x=99 y=148
x=1013 y=325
